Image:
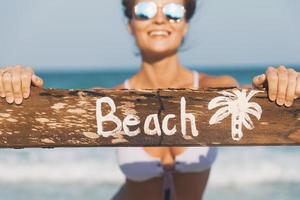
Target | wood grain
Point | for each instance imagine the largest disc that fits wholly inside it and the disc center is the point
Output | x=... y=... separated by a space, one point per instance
x=67 y=118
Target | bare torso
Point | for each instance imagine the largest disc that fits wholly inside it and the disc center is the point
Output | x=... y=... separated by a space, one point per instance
x=189 y=186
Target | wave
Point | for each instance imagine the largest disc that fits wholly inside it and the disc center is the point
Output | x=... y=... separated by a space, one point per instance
x=241 y=166
x=234 y=166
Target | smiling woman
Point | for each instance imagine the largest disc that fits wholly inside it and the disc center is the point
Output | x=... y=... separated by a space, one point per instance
x=159 y=27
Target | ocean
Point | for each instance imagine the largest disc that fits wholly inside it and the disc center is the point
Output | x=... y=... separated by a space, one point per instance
x=240 y=173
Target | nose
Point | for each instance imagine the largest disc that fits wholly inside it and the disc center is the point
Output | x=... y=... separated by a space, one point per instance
x=160 y=17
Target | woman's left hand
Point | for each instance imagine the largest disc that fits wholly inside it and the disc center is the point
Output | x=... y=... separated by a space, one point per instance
x=283 y=84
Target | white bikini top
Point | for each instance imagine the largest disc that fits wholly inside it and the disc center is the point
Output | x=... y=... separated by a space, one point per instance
x=138 y=165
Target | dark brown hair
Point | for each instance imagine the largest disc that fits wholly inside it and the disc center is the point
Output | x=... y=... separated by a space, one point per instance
x=190 y=6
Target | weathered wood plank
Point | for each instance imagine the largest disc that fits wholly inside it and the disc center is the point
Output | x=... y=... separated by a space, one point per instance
x=67 y=118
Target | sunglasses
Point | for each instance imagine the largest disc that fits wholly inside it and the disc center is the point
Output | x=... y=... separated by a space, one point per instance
x=174 y=12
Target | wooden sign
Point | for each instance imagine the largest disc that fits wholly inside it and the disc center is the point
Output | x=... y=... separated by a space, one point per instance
x=170 y=117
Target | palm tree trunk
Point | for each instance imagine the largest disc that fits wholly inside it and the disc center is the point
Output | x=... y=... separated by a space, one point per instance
x=236 y=127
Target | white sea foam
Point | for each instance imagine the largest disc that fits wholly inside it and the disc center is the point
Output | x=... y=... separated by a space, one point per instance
x=256 y=165
x=60 y=165
x=234 y=166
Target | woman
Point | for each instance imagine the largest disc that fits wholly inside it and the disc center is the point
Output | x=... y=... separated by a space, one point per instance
x=159 y=27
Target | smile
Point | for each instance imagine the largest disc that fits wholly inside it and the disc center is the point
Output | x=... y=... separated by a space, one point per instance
x=159 y=33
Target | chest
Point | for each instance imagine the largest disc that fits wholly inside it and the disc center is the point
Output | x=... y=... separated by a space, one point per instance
x=167 y=155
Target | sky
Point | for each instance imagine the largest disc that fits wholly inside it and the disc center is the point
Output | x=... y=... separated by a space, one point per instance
x=72 y=34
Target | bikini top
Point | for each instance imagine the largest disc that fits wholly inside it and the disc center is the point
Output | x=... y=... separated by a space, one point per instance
x=138 y=165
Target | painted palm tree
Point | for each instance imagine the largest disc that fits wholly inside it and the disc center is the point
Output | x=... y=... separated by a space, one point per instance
x=236 y=104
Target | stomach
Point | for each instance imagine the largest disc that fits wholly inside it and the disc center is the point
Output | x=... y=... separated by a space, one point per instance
x=188 y=186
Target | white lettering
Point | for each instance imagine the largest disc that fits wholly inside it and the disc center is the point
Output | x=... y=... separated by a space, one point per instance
x=156 y=129
x=184 y=116
x=109 y=117
x=165 y=125
x=131 y=120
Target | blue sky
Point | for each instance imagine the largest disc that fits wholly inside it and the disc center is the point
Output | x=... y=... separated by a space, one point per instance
x=57 y=34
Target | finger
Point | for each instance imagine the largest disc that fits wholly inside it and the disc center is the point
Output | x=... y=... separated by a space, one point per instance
x=282 y=85
x=258 y=81
x=272 y=78
x=37 y=81
x=297 y=92
x=291 y=87
x=2 y=94
x=26 y=82
x=8 y=90
x=17 y=85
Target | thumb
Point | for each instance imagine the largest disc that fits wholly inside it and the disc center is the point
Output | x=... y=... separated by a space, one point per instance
x=258 y=81
x=37 y=81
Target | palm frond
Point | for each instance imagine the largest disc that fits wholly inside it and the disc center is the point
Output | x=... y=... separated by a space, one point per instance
x=254 y=112
x=252 y=93
x=247 y=122
x=226 y=93
x=218 y=101
x=221 y=114
x=255 y=106
x=238 y=93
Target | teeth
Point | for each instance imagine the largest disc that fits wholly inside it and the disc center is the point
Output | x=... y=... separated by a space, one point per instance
x=159 y=33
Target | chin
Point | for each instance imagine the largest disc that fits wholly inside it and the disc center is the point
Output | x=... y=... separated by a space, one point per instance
x=160 y=51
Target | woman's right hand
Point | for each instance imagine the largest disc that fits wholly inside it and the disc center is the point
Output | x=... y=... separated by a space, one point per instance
x=15 y=82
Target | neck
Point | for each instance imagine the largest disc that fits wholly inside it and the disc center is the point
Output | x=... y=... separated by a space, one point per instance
x=160 y=72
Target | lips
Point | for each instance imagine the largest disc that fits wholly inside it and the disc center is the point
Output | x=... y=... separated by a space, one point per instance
x=159 y=33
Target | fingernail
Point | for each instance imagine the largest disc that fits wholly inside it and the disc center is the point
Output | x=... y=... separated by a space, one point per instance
x=280 y=102
x=9 y=99
x=18 y=100
x=26 y=95
x=288 y=103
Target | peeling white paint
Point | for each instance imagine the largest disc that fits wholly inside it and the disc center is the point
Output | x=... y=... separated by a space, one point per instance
x=187 y=137
x=119 y=140
x=4 y=115
x=91 y=135
x=48 y=141
x=264 y=123
x=82 y=103
x=76 y=111
x=11 y=120
x=42 y=120
x=58 y=106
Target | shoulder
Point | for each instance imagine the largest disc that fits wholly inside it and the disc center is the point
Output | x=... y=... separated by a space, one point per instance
x=120 y=86
x=209 y=81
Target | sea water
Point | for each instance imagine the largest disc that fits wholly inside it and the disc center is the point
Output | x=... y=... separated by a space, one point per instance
x=239 y=173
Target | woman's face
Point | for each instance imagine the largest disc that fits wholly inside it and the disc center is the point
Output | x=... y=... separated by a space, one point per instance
x=158 y=35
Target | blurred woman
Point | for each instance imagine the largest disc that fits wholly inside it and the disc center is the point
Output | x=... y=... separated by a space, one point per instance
x=159 y=28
